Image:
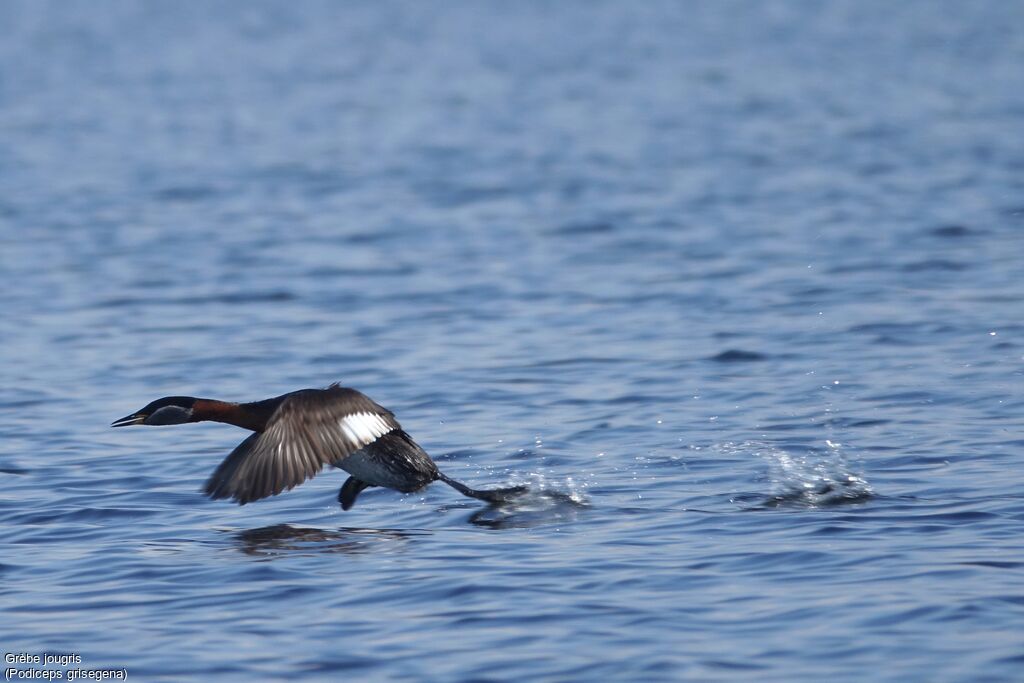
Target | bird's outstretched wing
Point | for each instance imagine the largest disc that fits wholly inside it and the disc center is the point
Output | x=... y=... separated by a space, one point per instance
x=309 y=429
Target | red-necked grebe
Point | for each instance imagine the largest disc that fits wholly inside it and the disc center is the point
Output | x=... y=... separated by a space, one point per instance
x=296 y=434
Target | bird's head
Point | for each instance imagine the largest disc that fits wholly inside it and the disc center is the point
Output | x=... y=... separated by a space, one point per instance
x=170 y=410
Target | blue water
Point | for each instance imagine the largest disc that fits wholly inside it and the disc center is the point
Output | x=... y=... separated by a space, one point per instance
x=736 y=288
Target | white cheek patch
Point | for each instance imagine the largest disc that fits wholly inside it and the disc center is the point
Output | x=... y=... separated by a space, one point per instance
x=169 y=415
x=363 y=428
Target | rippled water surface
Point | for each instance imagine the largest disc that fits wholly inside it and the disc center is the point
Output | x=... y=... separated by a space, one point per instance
x=735 y=288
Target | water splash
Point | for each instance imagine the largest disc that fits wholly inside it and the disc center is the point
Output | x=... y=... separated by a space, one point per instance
x=542 y=503
x=812 y=477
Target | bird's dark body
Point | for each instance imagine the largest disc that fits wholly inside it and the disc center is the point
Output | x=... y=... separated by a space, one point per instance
x=295 y=435
x=395 y=461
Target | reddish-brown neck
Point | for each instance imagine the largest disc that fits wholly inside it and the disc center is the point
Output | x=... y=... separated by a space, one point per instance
x=238 y=414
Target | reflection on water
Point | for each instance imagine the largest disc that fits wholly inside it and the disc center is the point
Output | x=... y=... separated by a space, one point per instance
x=820 y=496
x=284 y=539
x=503 y=518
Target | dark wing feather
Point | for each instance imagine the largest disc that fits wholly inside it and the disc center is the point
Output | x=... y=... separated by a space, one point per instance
x=308 y=430
x=217 y=484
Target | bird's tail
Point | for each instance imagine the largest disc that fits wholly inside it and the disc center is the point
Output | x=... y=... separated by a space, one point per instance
x=489 y=495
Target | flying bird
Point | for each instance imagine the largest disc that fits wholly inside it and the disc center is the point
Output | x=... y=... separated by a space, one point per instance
x=295 y=435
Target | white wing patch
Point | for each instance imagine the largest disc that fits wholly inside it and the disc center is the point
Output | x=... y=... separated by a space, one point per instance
x=363 y=428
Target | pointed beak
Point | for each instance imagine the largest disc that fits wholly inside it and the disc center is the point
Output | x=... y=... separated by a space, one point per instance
x=133 y=419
